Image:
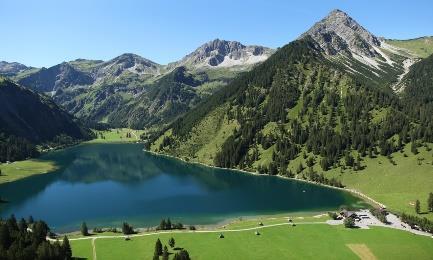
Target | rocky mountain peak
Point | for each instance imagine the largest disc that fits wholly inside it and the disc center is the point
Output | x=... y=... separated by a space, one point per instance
x=222 y=53
x=127 y=62
x=339 y=33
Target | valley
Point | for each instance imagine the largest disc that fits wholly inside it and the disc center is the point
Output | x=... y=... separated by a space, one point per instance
x=320 y=148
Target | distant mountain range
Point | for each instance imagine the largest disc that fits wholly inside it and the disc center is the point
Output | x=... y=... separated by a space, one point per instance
x=131 y=91
x=119 y=91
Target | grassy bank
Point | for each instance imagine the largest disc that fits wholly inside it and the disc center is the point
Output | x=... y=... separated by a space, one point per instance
x=117 y=135
x=304 y=241
x=22 y=169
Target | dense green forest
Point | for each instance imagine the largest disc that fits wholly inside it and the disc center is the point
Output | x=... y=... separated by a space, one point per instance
x=26 y=240
x=14 y=148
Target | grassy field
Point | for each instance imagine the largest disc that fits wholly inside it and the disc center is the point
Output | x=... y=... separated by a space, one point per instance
x=18 y=170
x=117 y=135
x=397 y=186
x=304 y=241
x=421 y=47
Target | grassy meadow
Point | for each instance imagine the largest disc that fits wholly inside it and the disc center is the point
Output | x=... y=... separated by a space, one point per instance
x=396 y=185
x=303 y=241
x=422 y=47
x=117 y=135
x=21 y=169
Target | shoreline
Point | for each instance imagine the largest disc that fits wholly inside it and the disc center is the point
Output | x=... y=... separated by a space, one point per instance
x=352 y=191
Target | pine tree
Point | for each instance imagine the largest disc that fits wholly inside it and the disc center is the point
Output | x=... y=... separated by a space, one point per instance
x=417 y=207
x=155 y=256
x=165 y=253
x=66 y=248
x=414 y=148
x=430 y=202
x=171 y=242
x=181 y=255
x=158 y=247
x=84 y=229
x=168 y=224
x=162 y=224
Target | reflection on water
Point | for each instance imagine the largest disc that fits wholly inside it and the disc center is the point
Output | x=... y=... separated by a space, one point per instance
x=106 y=184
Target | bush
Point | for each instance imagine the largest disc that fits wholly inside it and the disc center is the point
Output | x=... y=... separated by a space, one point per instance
x=349 y=222
x=333 y=215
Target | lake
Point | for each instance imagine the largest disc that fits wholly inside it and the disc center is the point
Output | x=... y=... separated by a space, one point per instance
x=106 y=184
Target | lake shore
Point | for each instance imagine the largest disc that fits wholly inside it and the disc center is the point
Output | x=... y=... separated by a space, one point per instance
x=352 y=191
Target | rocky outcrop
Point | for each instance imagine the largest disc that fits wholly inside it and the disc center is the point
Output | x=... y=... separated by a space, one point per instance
x=221 y=53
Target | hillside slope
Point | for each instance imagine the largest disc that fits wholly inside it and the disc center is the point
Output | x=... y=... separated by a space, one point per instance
x=36 y=118
x=121 y=91
x=302 y=114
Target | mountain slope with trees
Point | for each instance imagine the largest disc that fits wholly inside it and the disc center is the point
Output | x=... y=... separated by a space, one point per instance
x=125 y=86
x=28 y=118
x=301 y=114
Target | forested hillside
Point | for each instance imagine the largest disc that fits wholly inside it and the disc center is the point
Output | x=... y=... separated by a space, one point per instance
x=298 y=103
x=28 y=118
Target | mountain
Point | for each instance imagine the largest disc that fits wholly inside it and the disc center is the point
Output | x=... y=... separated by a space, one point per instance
x=35 y=117
x=313 y=106
x=162 y=102
x=131 y=91
x=57 y=77
x=10 y=69
x=126 y=63
x=344 y=41
x=223 y=54
x=339 y=33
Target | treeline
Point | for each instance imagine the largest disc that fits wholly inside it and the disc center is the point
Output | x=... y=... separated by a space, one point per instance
x=14 y=148
x=167 y=225
x=418 y=223
x=27 y=240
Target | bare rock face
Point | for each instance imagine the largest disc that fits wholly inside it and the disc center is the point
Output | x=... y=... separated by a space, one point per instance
x=221 y=53
x=339 y=33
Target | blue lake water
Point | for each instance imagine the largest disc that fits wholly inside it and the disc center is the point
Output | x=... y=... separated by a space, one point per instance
x=106 y=184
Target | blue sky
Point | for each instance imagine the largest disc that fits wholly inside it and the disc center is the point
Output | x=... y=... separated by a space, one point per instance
x=47 y=32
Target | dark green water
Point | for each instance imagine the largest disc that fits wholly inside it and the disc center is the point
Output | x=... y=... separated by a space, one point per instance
x=106 y=184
